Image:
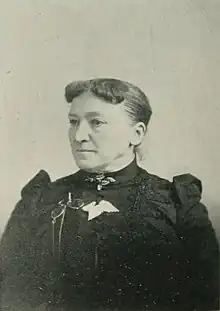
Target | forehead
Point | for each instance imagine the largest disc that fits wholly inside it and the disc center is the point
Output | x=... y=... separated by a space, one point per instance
x=87 y=104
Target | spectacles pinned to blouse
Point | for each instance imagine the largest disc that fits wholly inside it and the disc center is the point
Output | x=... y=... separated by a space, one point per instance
x=60 y=211
x=93 y=209
x=63 y=204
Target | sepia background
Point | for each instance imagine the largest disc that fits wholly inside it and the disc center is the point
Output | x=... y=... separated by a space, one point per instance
x=170 y=48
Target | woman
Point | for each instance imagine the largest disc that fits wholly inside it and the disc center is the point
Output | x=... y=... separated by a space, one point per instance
x=111 y=236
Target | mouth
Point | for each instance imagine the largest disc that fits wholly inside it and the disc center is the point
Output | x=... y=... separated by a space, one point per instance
x=84 y=150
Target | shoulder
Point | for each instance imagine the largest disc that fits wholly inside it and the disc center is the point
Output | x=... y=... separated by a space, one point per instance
x=184 y=191
x=183 y=179
x=180 y=197
x=37 y=198
x=42 y=181
x=154 y=187
x=39 y=189
x=182 y=187
x=187 y=188
x=187 y=193
x=66 y=180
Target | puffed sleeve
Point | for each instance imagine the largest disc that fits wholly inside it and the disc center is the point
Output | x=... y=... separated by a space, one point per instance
x=17 y=245
x=200 y=243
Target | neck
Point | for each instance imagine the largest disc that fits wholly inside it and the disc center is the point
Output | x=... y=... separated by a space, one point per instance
x=119 y=164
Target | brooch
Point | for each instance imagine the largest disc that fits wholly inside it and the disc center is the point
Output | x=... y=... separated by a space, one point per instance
x=101 y=180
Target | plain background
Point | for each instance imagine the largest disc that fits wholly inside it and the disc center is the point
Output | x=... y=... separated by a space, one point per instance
x=170 y=48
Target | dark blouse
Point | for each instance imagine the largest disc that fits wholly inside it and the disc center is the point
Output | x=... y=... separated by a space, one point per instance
x=159 y=251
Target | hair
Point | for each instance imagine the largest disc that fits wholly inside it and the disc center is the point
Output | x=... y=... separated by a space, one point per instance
x=115 y=92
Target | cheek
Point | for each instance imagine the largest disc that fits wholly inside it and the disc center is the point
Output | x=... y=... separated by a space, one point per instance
x=71 y=134
x=119 y=134
x=115 y=139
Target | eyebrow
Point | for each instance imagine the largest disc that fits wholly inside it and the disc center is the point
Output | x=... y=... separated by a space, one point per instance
x=72 y=115
x=89 y=114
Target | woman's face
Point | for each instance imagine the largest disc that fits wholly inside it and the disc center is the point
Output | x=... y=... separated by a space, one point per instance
x=100 y=133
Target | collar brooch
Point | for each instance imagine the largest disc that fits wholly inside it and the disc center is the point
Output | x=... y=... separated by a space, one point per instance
x=100 y=180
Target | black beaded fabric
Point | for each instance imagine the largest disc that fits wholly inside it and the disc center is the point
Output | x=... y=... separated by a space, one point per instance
x=158 y=252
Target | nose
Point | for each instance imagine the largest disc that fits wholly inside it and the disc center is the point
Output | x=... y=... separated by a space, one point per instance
x=82 y=132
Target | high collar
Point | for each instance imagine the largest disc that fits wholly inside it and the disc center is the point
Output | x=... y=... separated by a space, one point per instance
x=121 y=176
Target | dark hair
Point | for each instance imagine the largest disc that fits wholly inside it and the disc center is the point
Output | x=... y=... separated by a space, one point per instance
x=114 y=91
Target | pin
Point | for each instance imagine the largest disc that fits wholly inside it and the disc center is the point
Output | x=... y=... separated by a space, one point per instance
x=74 y=204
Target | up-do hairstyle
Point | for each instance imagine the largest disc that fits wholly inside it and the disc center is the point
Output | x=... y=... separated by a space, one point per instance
x=115 y=92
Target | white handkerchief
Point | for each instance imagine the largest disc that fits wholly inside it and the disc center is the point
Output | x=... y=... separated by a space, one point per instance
x=95 y=210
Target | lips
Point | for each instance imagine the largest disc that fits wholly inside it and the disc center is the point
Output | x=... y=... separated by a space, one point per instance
x=85 y=150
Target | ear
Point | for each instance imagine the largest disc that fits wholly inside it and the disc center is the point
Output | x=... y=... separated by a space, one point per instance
x=139 y=131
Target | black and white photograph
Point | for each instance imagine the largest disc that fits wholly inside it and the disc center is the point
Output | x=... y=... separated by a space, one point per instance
x=110 y=131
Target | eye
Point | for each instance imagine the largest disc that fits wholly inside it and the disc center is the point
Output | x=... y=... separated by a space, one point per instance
x=97 y=122
x=73 y=122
